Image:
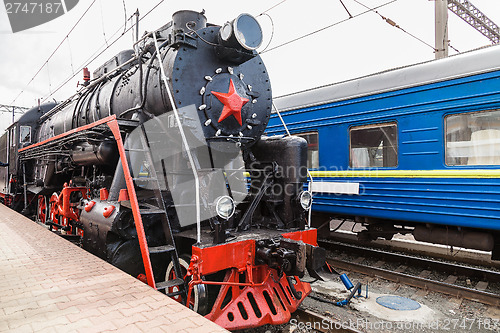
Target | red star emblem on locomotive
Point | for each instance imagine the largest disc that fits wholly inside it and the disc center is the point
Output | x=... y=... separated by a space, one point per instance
x=232 y=103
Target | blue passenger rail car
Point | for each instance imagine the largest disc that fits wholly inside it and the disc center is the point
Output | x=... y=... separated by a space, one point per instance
x=410 y=150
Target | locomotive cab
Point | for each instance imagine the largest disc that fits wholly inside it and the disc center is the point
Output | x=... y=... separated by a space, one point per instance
x=18 y=135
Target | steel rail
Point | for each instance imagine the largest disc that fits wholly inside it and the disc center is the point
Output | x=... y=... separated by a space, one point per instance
x=452 y=268
x=464 y=256
x=321 y=323
x=419 y=282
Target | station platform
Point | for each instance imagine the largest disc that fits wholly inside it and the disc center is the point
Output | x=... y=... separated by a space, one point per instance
x=48 y=284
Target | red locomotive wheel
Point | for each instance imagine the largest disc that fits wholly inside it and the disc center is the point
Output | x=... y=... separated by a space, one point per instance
x=199 y=296
x=53 y=214
x=42 y=210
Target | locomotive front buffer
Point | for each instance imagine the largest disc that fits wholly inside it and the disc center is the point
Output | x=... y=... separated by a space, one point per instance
x=263 y=285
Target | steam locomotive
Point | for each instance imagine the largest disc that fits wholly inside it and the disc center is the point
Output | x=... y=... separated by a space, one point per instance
x=159 y=166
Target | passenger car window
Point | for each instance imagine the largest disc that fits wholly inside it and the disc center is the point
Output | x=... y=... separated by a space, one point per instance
x=473 y=138
x=312 y=149
x=373 y=146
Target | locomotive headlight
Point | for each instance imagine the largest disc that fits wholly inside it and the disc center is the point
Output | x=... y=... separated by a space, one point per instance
x=225 y=207
x=243 y=32
x=305 y=200
x=226 y=31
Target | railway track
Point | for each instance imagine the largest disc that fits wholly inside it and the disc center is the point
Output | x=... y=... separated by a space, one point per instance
x=422 y=280
x=407 y=246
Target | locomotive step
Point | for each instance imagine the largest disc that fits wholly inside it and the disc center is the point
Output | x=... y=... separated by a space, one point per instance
x=154 y=210
x=144 y=208
x=169 y=284
x=65 y=228
x=144 y=179
x=128 y=125
x=136 y=149
x=175 y=293
x=161 y=249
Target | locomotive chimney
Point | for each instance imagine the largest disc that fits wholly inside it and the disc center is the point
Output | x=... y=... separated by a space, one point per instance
x=189 y=20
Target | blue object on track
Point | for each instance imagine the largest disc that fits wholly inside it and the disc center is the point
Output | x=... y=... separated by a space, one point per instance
x=347 y=283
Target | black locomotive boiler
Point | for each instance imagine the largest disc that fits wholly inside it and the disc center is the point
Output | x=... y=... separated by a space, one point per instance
x=159 y=166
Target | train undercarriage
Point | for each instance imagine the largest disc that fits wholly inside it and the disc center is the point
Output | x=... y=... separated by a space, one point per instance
x=453 y=236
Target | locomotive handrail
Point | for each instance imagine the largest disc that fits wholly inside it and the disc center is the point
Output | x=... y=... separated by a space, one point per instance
x=74 y=130
x=149 y=33
x=99 y=80
x=311 y=180
x=184 y=140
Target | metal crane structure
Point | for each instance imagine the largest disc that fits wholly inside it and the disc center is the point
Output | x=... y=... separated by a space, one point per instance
x=467 y=12
x=13 y=109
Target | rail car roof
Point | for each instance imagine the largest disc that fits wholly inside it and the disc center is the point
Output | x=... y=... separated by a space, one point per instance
x=478 y=61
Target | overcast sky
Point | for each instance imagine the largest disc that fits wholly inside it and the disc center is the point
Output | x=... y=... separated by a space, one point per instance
x=360 y=46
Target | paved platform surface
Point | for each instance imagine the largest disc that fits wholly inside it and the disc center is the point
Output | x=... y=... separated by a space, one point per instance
x=47 y=284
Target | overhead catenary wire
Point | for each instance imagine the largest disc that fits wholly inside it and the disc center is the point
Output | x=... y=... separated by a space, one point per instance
x=394 y=24
x=276 y=5
x=70 y=56
x=108 y=45
x=328 y=26
x=272 y=31
x=55 y=50
x=125 y=14
x=453 y=47
x=48 y=77
x=347 y=10
x=102 y=23
x=97 y=53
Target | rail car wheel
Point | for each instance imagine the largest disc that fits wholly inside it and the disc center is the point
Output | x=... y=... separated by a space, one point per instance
x=199 y=296
x=42 y=209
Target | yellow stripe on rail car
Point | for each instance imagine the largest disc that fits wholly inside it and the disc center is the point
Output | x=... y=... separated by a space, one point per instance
x=475 y=173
